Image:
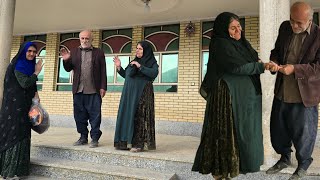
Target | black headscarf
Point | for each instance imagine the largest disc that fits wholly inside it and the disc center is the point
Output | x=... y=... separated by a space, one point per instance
x=147 y=59
x=16 y=102
x=226 y=53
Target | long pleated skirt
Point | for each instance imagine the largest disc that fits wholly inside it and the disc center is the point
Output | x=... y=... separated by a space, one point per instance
x=15 y=161
x=218 y=152
x=144 y=123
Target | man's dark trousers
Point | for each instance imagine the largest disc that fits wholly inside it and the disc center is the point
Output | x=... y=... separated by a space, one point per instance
x=87 y=107
x=297 y=124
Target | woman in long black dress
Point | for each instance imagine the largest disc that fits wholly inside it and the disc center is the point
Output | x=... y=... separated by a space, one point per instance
x=15 y=128
x=231 y=140
x=135 y=127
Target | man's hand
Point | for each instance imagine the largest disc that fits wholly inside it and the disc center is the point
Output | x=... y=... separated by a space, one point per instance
x=64 y=53
x=287 y=69
x=102 y=93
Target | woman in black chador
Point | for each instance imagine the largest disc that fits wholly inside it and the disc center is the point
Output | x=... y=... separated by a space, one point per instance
x=231 y=141
x=15 y=128
x=135 y=128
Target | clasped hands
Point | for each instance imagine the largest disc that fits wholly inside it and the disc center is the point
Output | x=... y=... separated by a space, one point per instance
x=284 y=69
x=117 y=63
x=135 y=63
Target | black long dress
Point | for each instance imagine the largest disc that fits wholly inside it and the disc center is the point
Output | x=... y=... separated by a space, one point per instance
x=231 y=140
x=15 y=128
x=136 y=118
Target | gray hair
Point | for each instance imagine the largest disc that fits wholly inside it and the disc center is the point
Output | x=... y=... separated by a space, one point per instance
x=88 y=31
x=306 y=5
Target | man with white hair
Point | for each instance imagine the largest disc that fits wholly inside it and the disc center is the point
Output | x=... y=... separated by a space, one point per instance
x=89 y=86
x=294 y=115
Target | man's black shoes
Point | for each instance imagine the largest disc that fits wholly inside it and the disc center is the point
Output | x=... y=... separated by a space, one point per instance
x=81 y=142
x=278 y=167
x=94 y=144
x=298 y=174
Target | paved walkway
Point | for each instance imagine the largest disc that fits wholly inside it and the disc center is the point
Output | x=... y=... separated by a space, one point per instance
x=176 y=148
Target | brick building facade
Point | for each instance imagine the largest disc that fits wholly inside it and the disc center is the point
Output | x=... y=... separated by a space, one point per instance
x=185 y=105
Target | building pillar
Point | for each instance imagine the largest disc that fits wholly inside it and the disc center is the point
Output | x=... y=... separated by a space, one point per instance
x=7 y=9
x=96 y=35
x=137 y=36
x=271 y=14
x=51 y=64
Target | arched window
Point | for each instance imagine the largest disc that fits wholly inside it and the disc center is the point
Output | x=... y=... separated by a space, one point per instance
x=165 y=43
x=68 y=41
x=116 y=43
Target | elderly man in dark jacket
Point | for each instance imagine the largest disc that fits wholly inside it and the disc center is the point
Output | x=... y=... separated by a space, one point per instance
x=89 y=86
x=294 y=116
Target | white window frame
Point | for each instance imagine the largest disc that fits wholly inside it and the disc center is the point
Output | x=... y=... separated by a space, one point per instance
x=161 y=53
x=70 y=76
x=115 y=72
x=43 y=58
x=201 y=65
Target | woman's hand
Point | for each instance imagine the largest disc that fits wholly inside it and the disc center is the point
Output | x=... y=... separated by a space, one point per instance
x=135 y=63
x=271 y=66
x=274 y=67
x=117 y=62
x=36 y=96
x=38 y=67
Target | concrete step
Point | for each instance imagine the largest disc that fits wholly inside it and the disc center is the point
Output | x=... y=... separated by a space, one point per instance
x=32 y=177
x=174 y=155
x=70 y=169
x=263 y=176
x=145 y=160
x=39 y=178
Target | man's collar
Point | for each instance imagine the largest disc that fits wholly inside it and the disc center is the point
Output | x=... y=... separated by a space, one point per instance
x=308 y=30
x=86 y=49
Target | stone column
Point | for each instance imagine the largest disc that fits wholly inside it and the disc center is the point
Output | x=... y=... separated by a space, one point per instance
x=271 y=14
x=51 y=64
x=137 y=35
x=7 y=9
x=96 y=34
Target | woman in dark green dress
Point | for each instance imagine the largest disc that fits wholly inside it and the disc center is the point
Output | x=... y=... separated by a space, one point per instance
x=231 y=140
x=135 y=127
x=15 y=128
